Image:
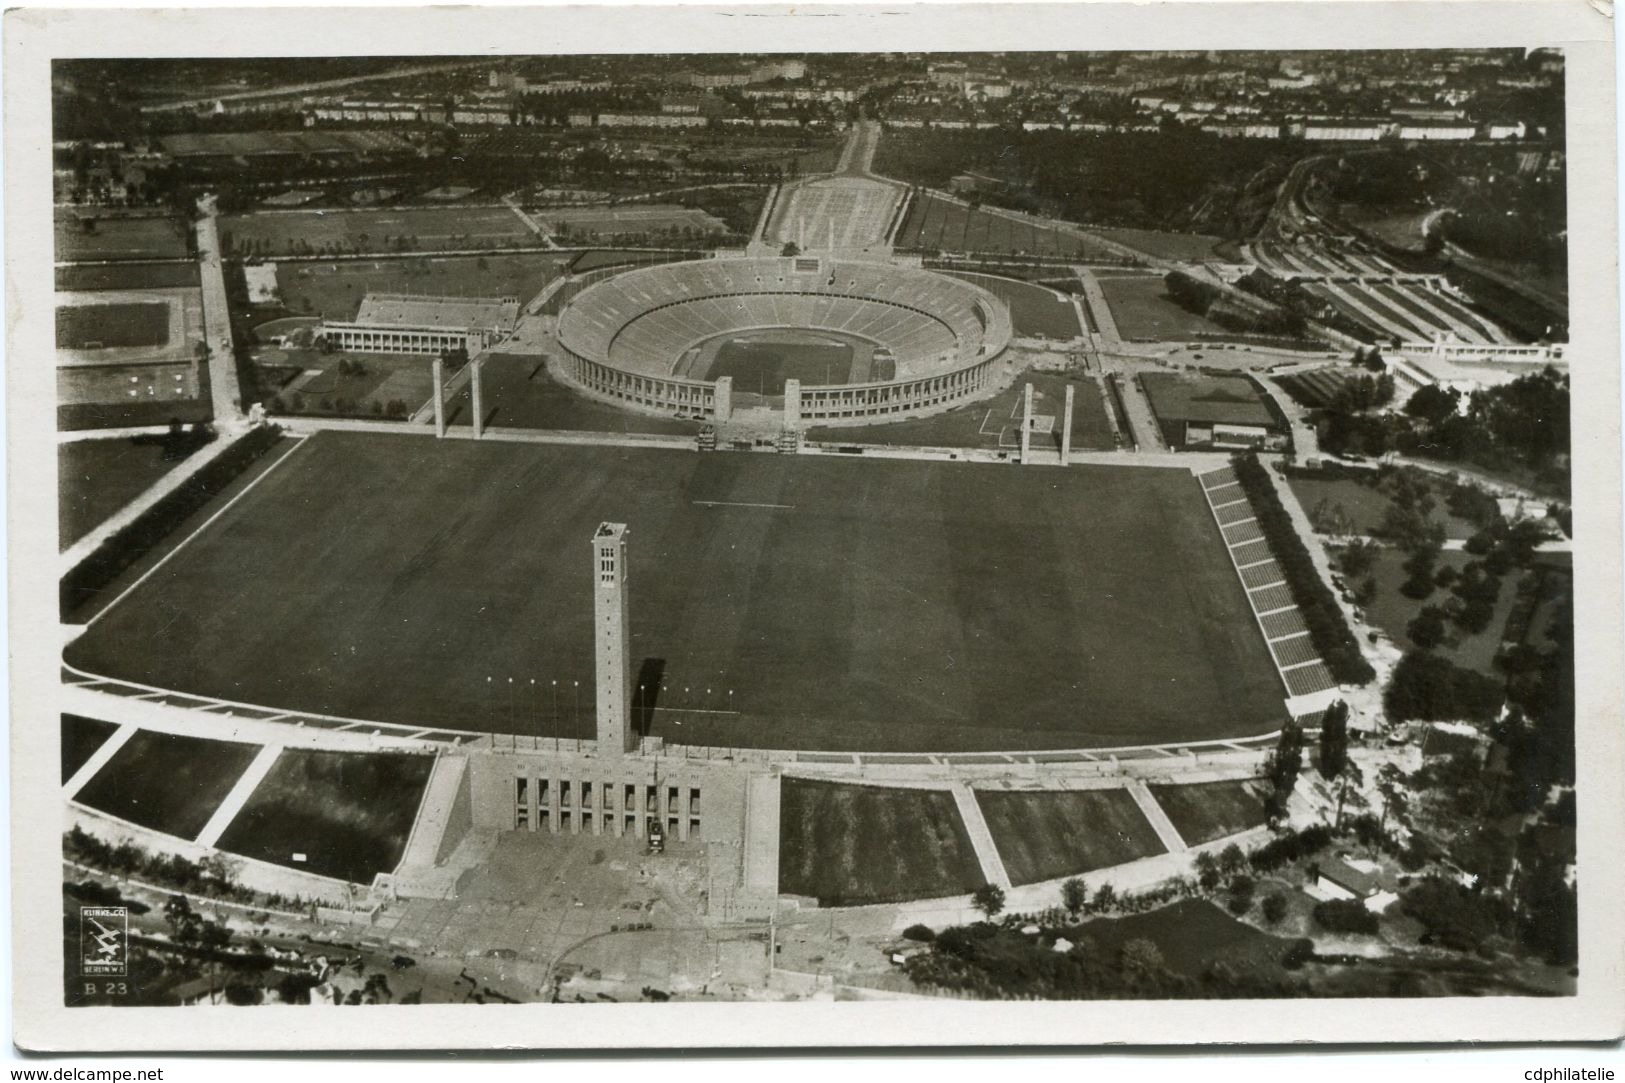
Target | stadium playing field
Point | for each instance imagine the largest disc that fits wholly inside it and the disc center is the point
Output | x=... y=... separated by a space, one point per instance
x=790 y=602
x=80 y=327
x=763 y=360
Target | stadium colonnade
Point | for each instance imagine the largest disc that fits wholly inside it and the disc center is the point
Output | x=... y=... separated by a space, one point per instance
x=628 y=338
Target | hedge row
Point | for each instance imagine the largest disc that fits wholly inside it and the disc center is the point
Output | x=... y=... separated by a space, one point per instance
x=130 y=543
x=1328 y=628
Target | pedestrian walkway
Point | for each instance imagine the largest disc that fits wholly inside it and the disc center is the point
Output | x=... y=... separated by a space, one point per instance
x=981 y=838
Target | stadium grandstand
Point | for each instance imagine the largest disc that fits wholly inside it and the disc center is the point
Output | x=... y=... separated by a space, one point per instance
x=643 y=337
x=408 y=323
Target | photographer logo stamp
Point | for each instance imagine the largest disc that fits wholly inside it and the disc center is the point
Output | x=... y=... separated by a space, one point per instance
x=104 y=940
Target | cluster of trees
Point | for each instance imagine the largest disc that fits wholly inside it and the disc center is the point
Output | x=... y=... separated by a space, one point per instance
x=86 y=581
x=342 y=405
x=1229 y=309
x=1328 y=628
x=998 y=961
x=1345 y=916
x=1178 y=178
x=1300 y=305
x=213 y=876
x=1427 y=686
x=1522 y=426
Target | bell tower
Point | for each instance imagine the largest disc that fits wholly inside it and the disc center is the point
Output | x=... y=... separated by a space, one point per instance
x=613 y=729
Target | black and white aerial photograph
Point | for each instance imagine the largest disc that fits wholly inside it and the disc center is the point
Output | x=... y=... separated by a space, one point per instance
x=604 y=528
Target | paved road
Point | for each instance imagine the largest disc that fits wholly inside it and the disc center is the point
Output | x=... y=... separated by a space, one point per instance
x=224 y=390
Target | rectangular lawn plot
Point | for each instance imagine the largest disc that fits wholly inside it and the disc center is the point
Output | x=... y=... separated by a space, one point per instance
x=81 y=737
x=349 y=814
x=167 y=782
x=790 y=602
x=1204 y=811
x=1046 y=834
x=853 y=845
x=80 y=327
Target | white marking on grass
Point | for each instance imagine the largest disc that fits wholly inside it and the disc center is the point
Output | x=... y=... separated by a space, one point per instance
x=737 y=504
x=184 y=542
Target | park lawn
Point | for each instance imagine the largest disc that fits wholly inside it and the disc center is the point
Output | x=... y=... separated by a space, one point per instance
x=1361 y=503
x=993 y=423
x=1204 y=811
x=1392 y=611
x=166 y=781
x=1193 y=935
x=1143 y=311
x=349 y=814
x=81 y=737
x=851 y=845
x=1047 y=834
x=77 y=417
x=95 y=478
x=518 y=392
x=333 y=290
x=890 y=605
x=1034 y=310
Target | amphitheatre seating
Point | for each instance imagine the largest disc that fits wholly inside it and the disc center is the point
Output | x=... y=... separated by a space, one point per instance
x=644 y=321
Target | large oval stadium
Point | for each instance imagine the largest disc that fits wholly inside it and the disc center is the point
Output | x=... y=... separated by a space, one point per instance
x=854 y=340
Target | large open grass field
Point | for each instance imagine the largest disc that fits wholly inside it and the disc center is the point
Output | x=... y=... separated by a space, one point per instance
x=95 y=478
x=348 y=815
x=335 y=290
x=851 y=845
x=1204 y=811
x=994 y=423
x=167 y=782
x=1143 y=310
x=80 y=327
x=1046 y=834
x=791 y=602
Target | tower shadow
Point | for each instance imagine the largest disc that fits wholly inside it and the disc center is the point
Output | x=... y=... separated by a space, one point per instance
x=646 y=694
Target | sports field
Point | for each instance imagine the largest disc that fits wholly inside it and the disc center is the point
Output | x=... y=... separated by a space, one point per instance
x=1046 y=834
x=121 y=238
x=335 y=290
x=167 y=782
x=80 y=327
x=345 y=815
x=281 y=233
x=764 y=360
x=791 y=602
x=852 y=845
